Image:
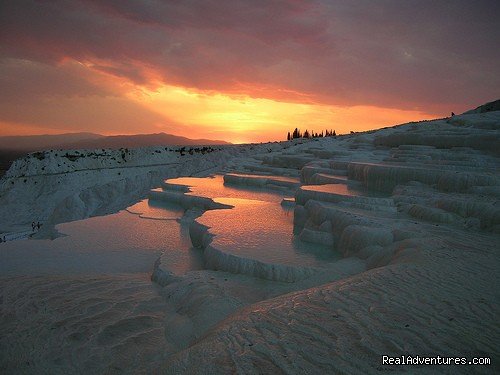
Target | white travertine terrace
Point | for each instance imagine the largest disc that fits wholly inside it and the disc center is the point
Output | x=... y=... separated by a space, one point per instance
x=314 y=256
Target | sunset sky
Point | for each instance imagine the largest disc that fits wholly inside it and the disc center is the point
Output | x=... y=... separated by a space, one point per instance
x=242 y=71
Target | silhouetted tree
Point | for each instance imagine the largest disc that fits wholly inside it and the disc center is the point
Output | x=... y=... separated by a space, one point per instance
x=297 y=134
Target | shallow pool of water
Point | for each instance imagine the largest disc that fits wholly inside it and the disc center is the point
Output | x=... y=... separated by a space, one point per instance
x=257 y=227
x=262 y=231
x=119 y=243
x=214 y=187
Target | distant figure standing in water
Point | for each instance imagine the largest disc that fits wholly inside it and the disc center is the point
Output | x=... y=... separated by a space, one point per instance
x=32 y=226
x=38 y=225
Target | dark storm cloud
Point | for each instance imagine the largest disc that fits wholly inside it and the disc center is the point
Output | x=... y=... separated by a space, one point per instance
x=402 y=54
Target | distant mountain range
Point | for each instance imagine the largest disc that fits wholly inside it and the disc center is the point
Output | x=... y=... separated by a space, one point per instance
x=70 y=141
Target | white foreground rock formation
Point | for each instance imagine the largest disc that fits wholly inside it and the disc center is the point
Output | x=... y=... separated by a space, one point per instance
x=414 y=211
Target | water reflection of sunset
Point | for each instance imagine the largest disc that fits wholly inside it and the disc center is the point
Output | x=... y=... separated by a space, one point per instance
x=235 y=229
x=214 y=188
x=273 y=242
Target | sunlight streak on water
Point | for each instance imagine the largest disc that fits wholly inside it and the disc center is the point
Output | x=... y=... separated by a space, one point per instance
x=213 y=187
x=341 y=189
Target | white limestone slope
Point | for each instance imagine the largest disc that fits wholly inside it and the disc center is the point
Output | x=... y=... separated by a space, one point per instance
x=426 y=229
x=59 y=185
x=412 y=211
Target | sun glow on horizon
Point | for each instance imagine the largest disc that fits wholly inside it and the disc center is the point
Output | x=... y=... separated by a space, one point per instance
x=129 y=108
x=243 y=119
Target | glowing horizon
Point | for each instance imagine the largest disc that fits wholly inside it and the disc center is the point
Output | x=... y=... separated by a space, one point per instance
x=215 y=115
x=246 y=120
